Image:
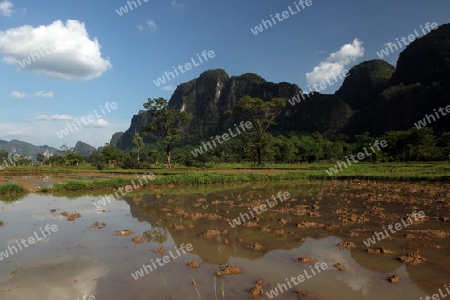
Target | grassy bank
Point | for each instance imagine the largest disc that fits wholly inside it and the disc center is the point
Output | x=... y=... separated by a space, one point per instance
x=12 y=189
x=228 y=174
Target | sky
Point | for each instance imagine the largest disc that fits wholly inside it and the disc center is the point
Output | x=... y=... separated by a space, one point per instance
x=92 y=64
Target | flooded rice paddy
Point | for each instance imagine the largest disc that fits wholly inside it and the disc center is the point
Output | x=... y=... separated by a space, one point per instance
x=96 y=251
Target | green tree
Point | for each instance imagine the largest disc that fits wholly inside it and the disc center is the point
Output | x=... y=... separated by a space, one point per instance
x=168 y=123
x=112 y=155
x=138 y=144
x=262 y=115
x=40 y=157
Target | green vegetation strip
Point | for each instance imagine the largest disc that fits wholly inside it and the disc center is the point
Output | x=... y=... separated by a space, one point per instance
x=369 y=171
x=11 y=189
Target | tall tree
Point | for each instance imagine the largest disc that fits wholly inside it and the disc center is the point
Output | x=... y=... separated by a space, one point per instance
x=138 y=143
x=262 y=115
x=168 y=123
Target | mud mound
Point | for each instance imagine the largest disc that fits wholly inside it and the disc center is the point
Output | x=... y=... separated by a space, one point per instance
x=257 y=289
x=193 y=264
x=339 y=266
x=346 y=245
x=394 y=279
x=305 y=259
x=412 y=257
x=210 y=233
x=229 y=270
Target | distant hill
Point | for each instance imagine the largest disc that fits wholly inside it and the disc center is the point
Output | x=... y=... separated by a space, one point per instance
x=24 y=148
x=83 y=148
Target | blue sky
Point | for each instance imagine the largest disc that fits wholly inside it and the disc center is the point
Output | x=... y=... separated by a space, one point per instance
x=100 y=56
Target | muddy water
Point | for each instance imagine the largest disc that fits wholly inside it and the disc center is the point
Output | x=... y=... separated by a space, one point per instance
x=87 y=258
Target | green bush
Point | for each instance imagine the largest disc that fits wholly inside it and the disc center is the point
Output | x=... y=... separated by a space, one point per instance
x=11 y=189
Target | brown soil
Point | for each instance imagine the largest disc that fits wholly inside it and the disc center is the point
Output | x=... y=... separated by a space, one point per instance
x=123 y=232
x=378 y=251
x=339 y=266
x=394 y=279
x=210 y=233
x=346 y=245
x=72 y=217
x=257 y=289
x=412 y=257
x=229 y=270
x=305 y=259
x=160 y=250
x=193 y=264
x=138 y=239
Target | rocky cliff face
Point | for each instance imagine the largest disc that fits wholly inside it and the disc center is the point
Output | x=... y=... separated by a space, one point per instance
x=375 y=97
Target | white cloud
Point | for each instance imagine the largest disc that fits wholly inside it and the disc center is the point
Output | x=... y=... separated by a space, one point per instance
x=151 y=24
x=6 y=8
x=169 y=88
x=336 y=62
x=18 y=95
x=62 y=51
x=140 y=27
x=43 y=94
x=175 y=4
x=53 y=117
x=15 y=133
x=43 y=118
x=61 y=117
x=99 y=123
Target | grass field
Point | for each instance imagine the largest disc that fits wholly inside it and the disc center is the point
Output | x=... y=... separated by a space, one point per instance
x=223 y=174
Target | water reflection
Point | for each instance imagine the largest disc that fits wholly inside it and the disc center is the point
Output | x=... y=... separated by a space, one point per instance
x=88 y=259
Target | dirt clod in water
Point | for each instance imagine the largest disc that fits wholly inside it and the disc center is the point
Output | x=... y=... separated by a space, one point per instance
x=339 y=266
x=124 y=232
x=65 y=213
x=378 y=251
x=346 y=245
x=257 y=289
x=193 y=264
x=255 y=246
x=303 y=294
x=210 y=233
x=394 y=279
x=138 y=239
x=412 y=258
x=72 y=217
x=305 y=259
x=160 y=250
x=53 y=210
x=229 y=270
